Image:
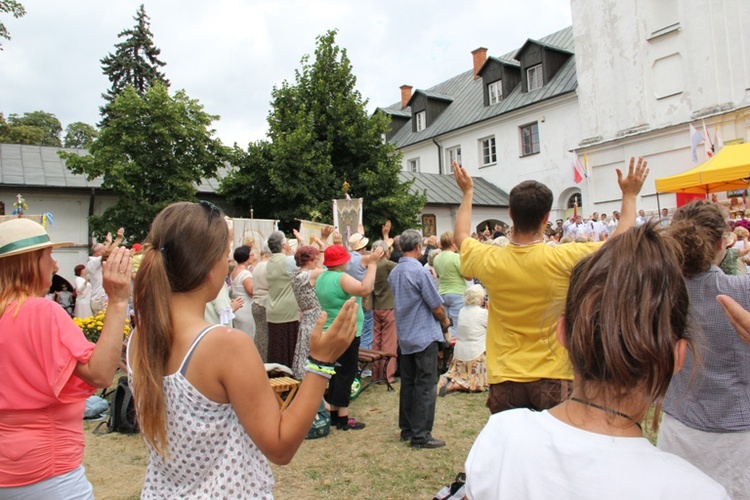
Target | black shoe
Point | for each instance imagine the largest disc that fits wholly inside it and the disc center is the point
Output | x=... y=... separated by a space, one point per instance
x=346 y=423
x=432 y=443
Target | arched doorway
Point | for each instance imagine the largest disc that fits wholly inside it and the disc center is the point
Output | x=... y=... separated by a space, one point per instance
x=571 y=200
x=491 y=223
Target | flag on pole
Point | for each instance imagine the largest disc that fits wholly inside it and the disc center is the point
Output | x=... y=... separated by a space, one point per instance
x=578 y=173
x=707 y=142
x=585 y=165
x=719 y=142
x=695 y=139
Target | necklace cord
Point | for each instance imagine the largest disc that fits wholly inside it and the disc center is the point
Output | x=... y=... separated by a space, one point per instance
x=605 y=409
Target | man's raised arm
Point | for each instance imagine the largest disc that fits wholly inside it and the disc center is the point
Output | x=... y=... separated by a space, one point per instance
x=462 y=229
x=630 y=186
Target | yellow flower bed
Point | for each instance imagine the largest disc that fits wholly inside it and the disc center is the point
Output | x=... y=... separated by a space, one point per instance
x=92 y=326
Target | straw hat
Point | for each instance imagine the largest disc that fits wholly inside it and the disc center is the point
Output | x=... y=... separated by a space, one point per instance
x=358 y=241
x=24 y=235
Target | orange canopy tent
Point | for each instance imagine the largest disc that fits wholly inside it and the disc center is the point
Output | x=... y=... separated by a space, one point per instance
x=727 y=170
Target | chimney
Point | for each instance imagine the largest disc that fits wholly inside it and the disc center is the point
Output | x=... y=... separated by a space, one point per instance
x=405 y=95
x=480 y=56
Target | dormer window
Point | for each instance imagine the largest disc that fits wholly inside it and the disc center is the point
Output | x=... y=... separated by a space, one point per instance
x=535 y=77
x=495 y=91
x=421 y=120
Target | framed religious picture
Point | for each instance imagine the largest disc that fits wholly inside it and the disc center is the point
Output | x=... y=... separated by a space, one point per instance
x=428 y=225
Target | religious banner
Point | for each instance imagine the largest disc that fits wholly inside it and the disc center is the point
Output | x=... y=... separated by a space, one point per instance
x=309 y=231
x=347 y=217
x=252 y=232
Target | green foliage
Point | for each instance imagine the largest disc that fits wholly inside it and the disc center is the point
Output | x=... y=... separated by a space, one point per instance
x=79 y=135
x=152 y=152
x=135 y=63
x=322 y=137
x=15 y=9
x=38 y=127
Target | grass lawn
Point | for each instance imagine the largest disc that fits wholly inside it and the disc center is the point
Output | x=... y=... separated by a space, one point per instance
x=370 y=463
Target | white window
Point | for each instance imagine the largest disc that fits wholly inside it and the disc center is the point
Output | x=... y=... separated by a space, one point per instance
x=534 y=77
x=421 y=122
x=529 y=139
x=489 y=153
x=495 y=90
x=452 y=154
x=414 y=165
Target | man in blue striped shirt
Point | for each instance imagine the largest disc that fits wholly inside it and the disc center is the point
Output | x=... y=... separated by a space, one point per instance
x=420 y=322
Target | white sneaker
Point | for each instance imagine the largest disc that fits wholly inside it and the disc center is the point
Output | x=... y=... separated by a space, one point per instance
x=367 y=373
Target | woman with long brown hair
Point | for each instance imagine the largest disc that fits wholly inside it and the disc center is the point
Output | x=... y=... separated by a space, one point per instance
x=624 y=326
x=205 y=407
x=48 y=367
x=707 y=408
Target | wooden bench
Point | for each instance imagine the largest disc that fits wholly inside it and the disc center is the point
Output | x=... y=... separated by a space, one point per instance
x=366 y=359
x=284 y=388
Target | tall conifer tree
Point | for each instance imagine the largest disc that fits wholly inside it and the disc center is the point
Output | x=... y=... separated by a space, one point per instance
x=135 y=62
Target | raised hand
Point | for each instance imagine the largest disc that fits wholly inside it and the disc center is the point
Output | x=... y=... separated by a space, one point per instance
x=329 y=345
x=386 y=229
x=116 y=272
x=326 y=232
x=376 y=254
x=637 y=173
x=463 y=179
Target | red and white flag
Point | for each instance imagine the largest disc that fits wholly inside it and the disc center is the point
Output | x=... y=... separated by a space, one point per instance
x=578 y=172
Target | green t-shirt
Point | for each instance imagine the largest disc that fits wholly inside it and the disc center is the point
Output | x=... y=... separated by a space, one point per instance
x=332 y=297
x=447 y=265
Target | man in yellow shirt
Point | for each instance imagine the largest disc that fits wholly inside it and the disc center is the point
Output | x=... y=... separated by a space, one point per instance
x=527 y=282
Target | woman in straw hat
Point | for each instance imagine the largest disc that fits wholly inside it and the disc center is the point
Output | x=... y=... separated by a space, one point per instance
x=48 y=366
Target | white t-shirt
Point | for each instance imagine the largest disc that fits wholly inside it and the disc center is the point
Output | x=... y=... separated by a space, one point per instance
x=526 y=454
x=94 y=268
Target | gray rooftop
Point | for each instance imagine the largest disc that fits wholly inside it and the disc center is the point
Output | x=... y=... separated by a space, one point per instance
x=466 y=91
x=22 y=165
x=442 y=190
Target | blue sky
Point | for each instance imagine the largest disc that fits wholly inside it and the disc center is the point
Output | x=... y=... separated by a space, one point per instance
x=229 y=54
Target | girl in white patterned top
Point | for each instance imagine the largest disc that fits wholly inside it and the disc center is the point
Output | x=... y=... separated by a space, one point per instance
x=205 y=407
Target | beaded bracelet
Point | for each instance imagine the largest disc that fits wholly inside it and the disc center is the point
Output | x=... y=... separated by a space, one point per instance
x=319 y=370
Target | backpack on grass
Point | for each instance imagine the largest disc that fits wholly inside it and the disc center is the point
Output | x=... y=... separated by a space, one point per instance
x=121 y=411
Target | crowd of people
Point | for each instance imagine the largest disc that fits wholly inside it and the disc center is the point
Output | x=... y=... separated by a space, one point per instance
x=574 y=332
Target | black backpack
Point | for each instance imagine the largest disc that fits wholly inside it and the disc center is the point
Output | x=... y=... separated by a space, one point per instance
x=121 y=411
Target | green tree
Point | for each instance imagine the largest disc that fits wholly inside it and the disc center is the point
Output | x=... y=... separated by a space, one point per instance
x=15 y=9
x=322 y=137
x=152 y=152
x=38 y=127
x=79 y=135
x=135 y=62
